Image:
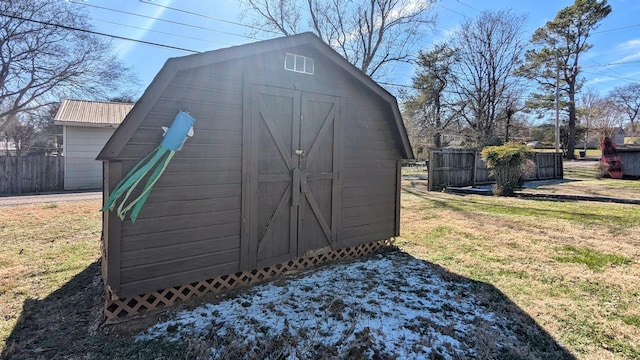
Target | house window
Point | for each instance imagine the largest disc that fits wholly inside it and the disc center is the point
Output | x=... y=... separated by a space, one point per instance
x=298 y=63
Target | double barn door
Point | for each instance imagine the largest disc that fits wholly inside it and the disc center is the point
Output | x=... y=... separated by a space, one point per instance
x=293 y=173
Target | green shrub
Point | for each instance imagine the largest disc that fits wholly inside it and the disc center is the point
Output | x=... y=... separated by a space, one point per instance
x=509 y=166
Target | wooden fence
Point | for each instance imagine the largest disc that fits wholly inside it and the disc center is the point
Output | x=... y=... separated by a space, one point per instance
x=31 y=174
x=466 y=168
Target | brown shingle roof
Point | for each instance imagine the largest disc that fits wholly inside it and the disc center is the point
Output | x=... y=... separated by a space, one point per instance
x=91 y=113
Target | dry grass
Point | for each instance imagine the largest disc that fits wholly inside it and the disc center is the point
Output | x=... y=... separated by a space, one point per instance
x=43 y=247
x=573 y=266
x=581 y=179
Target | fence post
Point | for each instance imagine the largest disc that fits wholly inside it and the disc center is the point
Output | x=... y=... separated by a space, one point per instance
x=474 y=175
x=430 y=171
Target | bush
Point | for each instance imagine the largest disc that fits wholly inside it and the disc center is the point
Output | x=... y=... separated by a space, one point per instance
x=509 y=166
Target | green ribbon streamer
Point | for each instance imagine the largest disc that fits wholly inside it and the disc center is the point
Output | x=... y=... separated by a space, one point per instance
x=127 y=185
x=157 y=160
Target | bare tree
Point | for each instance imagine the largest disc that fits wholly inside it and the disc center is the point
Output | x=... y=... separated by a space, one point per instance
x=627 y=100
x=44 y=57
x=598 y=115
x=489 y=49
x=368 y=33
x=22 y=135
x=591 y=109
x=607 y=120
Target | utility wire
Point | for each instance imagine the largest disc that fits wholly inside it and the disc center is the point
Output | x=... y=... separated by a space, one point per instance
x=616 y=29
x=606 y=67
x=453 y=11
x=611 y=64
x=164 y=32
x=150 y=2
x=100 y=33
x=163 y=20
x=469 y=6
x=615 y=77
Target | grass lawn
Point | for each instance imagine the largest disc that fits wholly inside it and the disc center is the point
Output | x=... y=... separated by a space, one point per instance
x=591 y=153
x=573 y=267
x=580 y=178
x=43 y=246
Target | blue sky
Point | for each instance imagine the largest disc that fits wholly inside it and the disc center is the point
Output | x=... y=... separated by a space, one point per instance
x=614 y=59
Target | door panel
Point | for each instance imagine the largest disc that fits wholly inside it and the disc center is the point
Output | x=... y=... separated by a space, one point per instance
x=293 y=173
x=318 y=140
x=275 y=114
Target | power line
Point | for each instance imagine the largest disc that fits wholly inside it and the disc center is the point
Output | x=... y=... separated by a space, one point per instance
x=163 y=32
x=149 y=2
x=453 y=11
x=163 y=20
x=469 y=6
x=445 y=91
x=100 y=33
x=615 y=77
x=613 y=63
x=616 y=29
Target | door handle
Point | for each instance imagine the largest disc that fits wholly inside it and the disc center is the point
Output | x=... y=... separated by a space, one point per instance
x=295 y=189
x=303 y=183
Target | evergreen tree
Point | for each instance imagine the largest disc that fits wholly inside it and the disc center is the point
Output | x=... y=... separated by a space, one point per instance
x=558 y=47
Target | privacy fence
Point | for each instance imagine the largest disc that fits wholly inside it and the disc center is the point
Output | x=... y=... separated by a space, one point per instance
x=31 y=174
x=466 y=168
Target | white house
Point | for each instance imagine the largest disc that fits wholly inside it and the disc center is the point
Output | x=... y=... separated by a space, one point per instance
x=87 y=125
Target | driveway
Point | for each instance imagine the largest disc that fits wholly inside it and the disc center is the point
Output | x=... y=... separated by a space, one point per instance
x=50 y=198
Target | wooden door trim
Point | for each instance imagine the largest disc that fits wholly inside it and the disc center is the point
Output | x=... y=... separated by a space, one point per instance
x=247 y=257
x=332 y=118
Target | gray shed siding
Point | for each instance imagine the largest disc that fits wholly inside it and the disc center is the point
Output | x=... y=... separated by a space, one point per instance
x=630 y=161
x=190 y=227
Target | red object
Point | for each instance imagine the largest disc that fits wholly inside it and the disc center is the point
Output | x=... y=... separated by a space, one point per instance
x=611 y=157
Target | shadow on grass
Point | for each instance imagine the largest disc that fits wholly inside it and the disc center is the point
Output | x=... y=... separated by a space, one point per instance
x=538 y=183
x=54 y=326
x=67 y=325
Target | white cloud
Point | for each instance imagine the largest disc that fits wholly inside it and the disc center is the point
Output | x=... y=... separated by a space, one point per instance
x=630 y=45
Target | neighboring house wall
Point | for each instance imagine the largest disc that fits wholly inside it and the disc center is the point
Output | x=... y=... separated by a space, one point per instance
x=618 y=137
x=87 y=126
x=81 y=146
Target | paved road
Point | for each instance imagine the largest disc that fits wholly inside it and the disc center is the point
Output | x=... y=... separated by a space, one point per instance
x=50 y=198
x=581 y=163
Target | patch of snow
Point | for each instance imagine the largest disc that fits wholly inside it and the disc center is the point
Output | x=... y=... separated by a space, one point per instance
x=399 y=305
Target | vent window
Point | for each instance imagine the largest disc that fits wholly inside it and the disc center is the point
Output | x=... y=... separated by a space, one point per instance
x=298 y=63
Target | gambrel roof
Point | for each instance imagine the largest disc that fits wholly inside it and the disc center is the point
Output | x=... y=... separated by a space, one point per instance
x=174 y=65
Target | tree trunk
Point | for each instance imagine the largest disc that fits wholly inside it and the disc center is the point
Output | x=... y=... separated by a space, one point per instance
x=506 y=129
x=437 y=140
x=571 y=138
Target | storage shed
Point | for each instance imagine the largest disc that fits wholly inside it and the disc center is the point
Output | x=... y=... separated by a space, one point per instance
x=630 y=156
x=294 y=151
x=87 y=125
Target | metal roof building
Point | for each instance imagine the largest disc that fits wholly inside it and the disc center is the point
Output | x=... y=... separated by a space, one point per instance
x=87 y=125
